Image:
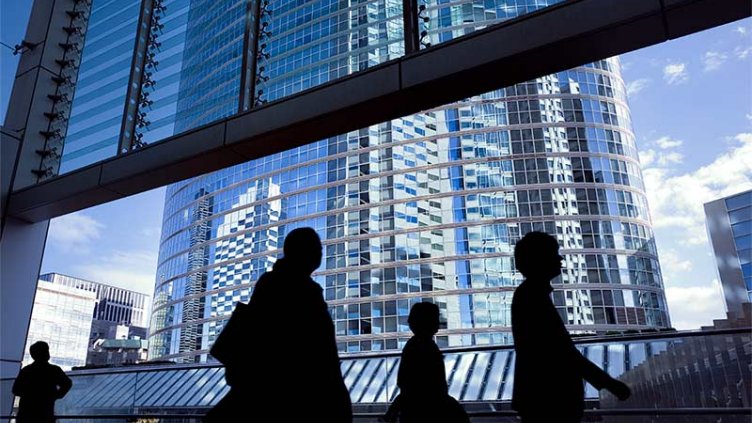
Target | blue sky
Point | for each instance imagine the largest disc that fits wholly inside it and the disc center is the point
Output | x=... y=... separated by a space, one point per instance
x=13 y=18
x=692 y=115
x=691 y=102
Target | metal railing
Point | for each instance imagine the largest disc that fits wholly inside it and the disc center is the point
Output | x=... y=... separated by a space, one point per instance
x=374 y=416
x=686 y=374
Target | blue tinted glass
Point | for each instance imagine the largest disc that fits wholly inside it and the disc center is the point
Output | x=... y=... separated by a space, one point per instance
x=93 y=132
x=743 y=242
x=165 y=78
x=475 y=383
x=429 y=202
x=193 y=67
x=747 y=270
x=304 y=44
x=742 y=228
x=745 y=256
x=449 y=20
x=212 y=57
x=738 y=201
x=458 y=378
x=740 y=215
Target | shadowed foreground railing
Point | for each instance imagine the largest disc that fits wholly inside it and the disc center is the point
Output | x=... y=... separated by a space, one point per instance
x=693 y=376
x=504 y=416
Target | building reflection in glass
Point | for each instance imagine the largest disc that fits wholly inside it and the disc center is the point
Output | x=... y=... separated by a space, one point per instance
x=426 y=207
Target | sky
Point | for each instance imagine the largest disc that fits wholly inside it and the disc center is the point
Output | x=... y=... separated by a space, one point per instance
x=14 y=15
x=691 y=103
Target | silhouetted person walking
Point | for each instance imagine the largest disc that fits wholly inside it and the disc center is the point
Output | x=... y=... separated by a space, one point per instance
x=38 y=386
x=549 y=370
x=421 y=378
x=291 y=349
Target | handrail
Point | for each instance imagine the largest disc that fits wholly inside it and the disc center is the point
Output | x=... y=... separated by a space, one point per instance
x=696 y=411
x=452 y=350
x=577 y=340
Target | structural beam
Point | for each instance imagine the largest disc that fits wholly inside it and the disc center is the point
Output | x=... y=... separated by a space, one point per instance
x=22 y=243
x=548 y=41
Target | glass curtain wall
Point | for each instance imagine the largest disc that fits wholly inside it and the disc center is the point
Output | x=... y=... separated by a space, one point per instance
x=96 y=117
x=151 y=69
x=426 y=207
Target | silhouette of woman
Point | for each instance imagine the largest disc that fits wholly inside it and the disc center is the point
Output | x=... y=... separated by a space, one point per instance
x=549 y=370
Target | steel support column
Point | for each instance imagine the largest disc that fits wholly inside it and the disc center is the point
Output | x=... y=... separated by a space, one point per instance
x=34 y=109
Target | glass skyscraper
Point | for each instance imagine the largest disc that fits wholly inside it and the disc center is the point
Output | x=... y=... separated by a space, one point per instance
x=93 y=130
x=729 y=223
x=62 y=317
x=113 y=304
x=423 y=208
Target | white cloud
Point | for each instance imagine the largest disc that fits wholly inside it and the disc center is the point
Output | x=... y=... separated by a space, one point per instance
x=666 y=143
x=74 y=232
x=748 y=116
x=694 y=306
x=675 y=73
x=713 y=60
x=672 y=263
x=637 y=85
x=647 y=157
x=663 y=156
x=652 y=157
x=742 y=53
x=741 y=30
x=676 y=201
x=670 y=158
x=152 y=233
x=133 y=270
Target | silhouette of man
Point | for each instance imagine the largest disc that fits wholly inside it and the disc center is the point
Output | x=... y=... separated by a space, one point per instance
x=421 y=378
x=38 y=386
x=292 y=347
x=549 y=370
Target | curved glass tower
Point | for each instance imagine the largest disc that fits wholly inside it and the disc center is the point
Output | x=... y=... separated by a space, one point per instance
x=423 y=208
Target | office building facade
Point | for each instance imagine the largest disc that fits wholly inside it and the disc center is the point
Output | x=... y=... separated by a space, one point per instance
x=427 y=207
x=729 y=224
x=115 y=305
x=61 y=317
x=93 y=129
x=117 y=313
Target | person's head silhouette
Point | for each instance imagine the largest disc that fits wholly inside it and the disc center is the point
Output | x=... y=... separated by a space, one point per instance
x=303 y=249
x=40 y=351
x=536 y=256
x=424 y=319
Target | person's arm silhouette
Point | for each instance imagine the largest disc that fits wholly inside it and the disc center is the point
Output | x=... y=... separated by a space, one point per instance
x=63 y=382
x=20 y=385
x=602 y=380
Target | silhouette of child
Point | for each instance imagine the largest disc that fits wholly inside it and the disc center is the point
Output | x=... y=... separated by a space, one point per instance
x=39 y=385
x=421 y=378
